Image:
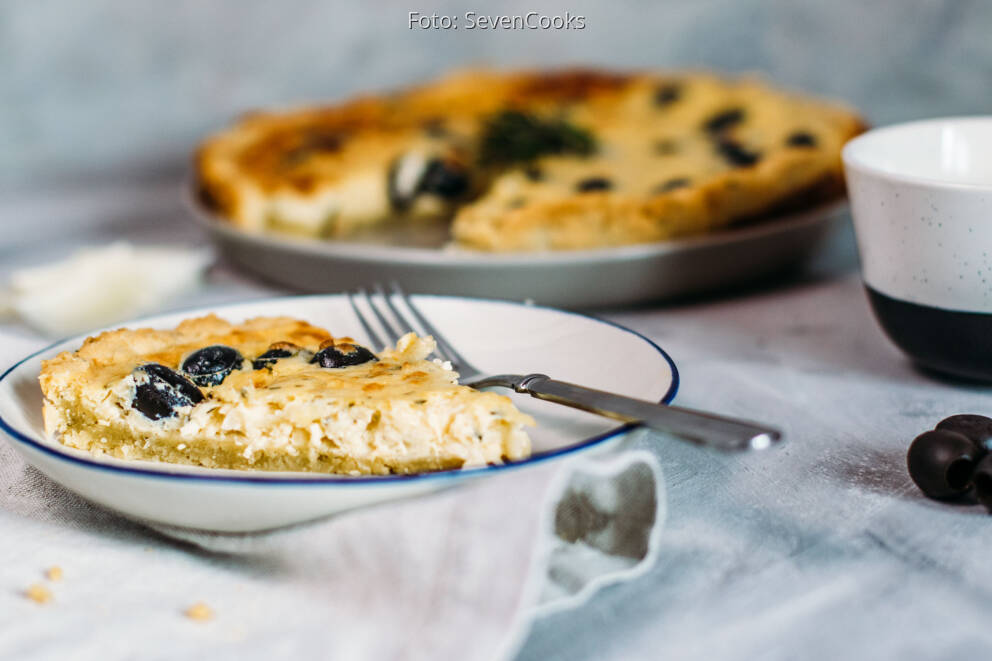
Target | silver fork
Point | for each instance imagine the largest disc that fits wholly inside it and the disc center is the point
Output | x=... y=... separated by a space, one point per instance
x=696 y=426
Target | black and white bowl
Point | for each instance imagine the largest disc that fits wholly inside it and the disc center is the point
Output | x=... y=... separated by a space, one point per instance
x=921 y=198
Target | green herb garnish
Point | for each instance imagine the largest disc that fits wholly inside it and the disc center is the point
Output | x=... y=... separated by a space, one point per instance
x=516 y=137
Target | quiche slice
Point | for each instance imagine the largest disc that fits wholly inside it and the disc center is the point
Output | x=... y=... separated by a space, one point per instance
x=274 y=393
x=532 y=161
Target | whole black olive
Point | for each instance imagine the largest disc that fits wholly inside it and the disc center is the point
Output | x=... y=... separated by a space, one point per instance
x=276 y=351
x=209 y=366
x=160 y=391
x=982 y=479
x=343 y=355
x=976 y=427
x=941 y=463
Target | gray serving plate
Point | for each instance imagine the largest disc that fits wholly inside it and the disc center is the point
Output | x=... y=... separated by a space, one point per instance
x=572 y=279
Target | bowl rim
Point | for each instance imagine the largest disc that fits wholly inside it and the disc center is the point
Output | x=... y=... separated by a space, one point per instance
x=295 y=479
x=855 y=161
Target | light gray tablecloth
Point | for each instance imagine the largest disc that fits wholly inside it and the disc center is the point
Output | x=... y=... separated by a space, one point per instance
x=820 y=549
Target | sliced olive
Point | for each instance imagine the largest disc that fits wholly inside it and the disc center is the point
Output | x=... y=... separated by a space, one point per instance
x=276 y=351
x=209 y=366
x=736 y=154
x=160 y=392
x=593 y=184
x=343 y=355
x=801 y=139
x=724 y=120
x=412 y=175
x=941 y=463
x=976 y=427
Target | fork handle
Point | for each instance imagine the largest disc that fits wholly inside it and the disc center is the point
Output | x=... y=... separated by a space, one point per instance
x=696 y=426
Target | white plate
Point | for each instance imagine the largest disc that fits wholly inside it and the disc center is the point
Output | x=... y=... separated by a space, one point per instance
x=575 y=279
x=498 y=336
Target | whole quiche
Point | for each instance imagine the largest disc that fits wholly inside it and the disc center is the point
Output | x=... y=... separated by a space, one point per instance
x=529 y=161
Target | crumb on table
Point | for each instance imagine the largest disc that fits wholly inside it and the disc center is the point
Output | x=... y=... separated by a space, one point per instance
x=54 y=573
x=199 y=611
x=38 y=593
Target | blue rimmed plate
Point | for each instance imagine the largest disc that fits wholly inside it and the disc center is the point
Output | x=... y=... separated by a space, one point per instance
x=498 y=336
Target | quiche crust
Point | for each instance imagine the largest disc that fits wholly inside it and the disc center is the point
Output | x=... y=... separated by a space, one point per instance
x=400 y=413
x=681 y=153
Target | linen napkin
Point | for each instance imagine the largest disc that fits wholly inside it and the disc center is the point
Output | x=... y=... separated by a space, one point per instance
x=462 y=574
x=101 y=285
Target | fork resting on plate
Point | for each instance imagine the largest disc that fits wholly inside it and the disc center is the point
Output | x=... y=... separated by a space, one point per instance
x=699 y=427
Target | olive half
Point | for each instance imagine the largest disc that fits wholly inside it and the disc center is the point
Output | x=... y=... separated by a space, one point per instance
x=160 y=391
x=342 y=355
x=277 y=351
x=209 y=366
x=941 y=463
x=976 y=427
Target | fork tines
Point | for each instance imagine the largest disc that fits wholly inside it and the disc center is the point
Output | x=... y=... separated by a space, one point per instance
x=391 y=315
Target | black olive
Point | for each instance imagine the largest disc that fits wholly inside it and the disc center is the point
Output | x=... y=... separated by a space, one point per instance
x=982 y=479
x=343 y=355
x=593 y=184
x=673 y=184
x=801 y=139
x=270 y=357
x=441 y=177
x=941 y=463
x=209 y=366
x=736 y=154
x=976 y=427
x=667 y=94
x=159 y=391
x=445 y=179
x=276 y=351
x=723 y=120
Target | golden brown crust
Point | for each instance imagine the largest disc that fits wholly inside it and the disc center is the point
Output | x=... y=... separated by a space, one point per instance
x=323 y=171
x=115 y=353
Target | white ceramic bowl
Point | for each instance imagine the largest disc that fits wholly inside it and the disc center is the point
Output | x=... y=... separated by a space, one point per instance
x=921 y=198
